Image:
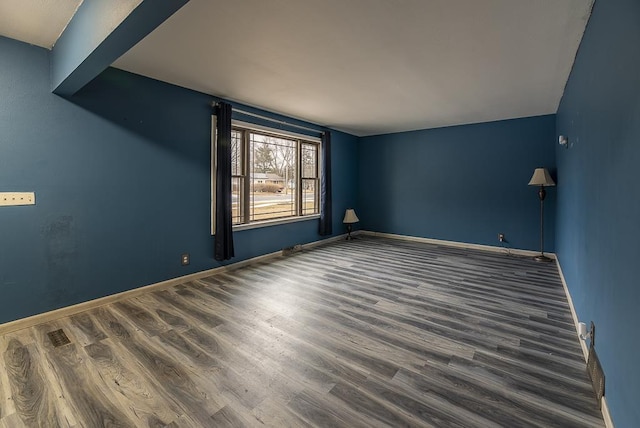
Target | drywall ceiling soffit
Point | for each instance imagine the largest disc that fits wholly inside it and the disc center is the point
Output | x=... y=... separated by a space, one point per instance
x=85 y=37
x=100 y=32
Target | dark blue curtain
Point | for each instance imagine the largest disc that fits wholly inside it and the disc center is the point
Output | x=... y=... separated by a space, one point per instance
x=325 y=187
x=223 y=221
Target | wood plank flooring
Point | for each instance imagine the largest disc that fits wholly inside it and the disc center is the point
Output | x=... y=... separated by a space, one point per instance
x=368 y=333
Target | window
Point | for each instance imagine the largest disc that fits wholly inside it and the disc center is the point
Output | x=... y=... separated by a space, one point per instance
x=274 y=175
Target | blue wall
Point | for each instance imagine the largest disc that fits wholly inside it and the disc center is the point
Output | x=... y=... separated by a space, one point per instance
x=599 y=196
x=463 y=183
x=121 y=175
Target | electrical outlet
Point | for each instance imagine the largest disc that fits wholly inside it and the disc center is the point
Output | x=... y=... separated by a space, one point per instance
x=501 y=237
x=17 y=198
x=185 y=259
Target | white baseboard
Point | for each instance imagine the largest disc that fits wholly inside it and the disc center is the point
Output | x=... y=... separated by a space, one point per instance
x=574 y=314
x=44 y=317
x=91 y=304
x=457 y=244
x=608 y=421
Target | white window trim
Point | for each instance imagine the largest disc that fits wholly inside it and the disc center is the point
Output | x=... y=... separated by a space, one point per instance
x=260 y=128
x=274 y=222
x=214 y=169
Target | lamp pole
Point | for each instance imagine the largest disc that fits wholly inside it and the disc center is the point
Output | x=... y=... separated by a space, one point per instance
x=542 y=194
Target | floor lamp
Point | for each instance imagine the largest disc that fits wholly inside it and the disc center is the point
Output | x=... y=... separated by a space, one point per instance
x=542 y=179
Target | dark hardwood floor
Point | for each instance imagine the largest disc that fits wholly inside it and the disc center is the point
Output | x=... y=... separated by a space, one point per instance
x=372 y=332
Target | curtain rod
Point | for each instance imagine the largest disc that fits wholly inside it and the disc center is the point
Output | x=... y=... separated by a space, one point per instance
x=280 y=122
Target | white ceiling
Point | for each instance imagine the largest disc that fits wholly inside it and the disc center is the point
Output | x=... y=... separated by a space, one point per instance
x=39 y=22
x=367 y=66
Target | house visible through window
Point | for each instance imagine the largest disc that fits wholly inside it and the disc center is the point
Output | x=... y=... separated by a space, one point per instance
x=274 y=176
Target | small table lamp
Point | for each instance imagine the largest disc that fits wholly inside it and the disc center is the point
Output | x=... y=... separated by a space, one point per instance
x=350 y=217
x=541 y=178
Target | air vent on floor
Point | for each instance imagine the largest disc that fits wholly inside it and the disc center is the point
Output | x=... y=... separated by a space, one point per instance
x=596 y=374
x=58 y=338
x=290 y=250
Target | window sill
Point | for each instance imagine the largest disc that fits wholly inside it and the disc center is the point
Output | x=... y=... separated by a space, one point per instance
x=275 y=222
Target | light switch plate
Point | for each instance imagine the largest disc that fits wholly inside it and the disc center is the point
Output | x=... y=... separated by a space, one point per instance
x=8 y=199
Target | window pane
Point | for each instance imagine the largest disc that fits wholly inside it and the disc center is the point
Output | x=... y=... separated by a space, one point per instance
x=309 y=196
x=309 y=153
x=236 y=152
x=273 y=177
x=236 y=199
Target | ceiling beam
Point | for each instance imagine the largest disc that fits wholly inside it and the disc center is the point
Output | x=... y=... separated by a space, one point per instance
x=100 y=33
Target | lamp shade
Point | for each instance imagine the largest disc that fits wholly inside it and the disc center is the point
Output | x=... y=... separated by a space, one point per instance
x=541 y=177
x=350 y=216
